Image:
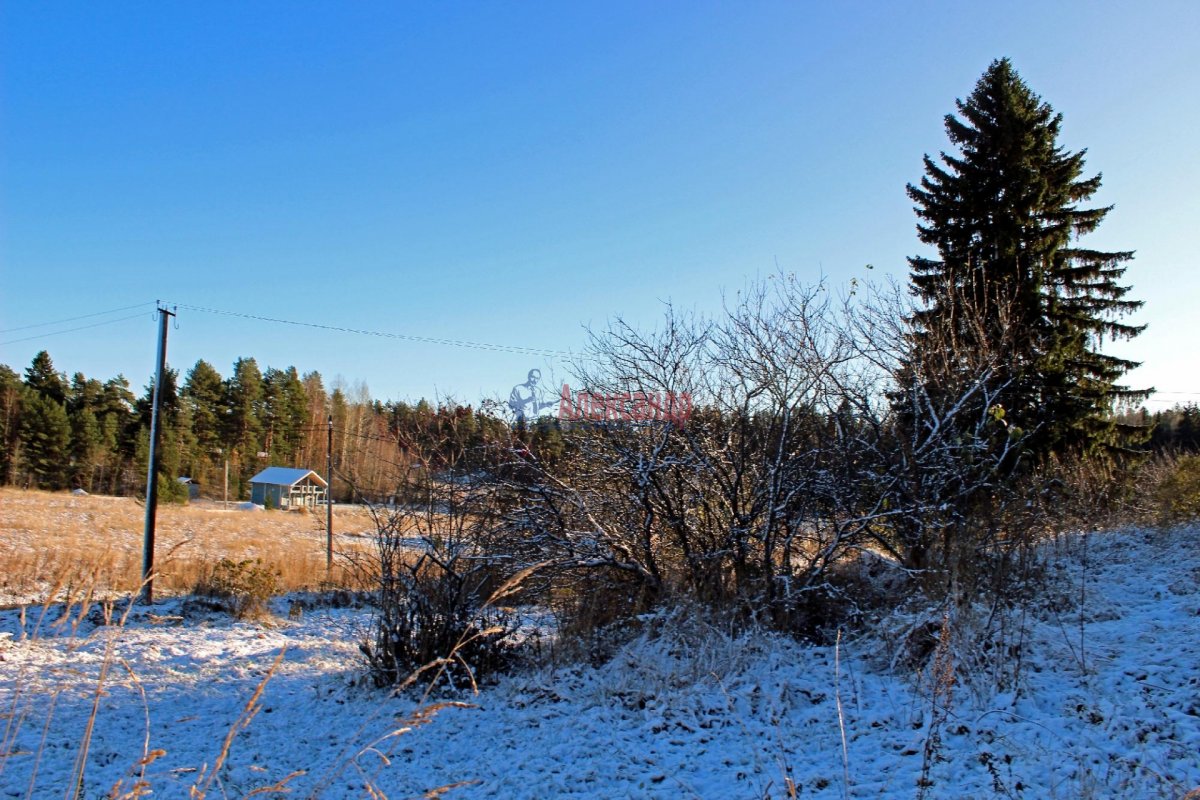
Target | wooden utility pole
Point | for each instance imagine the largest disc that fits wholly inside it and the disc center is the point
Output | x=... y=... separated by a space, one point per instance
x=329 y=506
x=164 y=318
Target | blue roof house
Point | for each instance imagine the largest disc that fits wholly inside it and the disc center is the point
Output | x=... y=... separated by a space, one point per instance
x=193 y=486
x=284 y=487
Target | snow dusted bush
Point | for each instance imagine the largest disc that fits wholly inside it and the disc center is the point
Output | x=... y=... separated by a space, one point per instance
x=815 y=441
x=1178 y=493
x=243 y=588
x=749 y=503
x=435 y=607
x=443 y=564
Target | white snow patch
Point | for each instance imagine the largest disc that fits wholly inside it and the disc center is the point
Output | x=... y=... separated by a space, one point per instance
x=1109 y=706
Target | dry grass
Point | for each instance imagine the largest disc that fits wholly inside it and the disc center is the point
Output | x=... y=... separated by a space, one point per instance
x=53 y=541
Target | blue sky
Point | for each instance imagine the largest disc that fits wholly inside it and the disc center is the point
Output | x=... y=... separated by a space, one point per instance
x=512 y=173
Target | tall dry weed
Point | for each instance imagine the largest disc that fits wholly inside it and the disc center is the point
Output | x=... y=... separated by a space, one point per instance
x=48 y=539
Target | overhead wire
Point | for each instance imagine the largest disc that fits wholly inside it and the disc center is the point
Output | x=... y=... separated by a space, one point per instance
x=73 y=319
x=73 y=330
x=504 y=348
x=464 y=343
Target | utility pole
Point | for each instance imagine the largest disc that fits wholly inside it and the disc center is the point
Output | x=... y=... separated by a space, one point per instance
x=164 y=317
x=329 y=506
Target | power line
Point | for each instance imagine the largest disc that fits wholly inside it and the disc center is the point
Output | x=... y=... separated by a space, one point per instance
x=1164 y=401
x=72 y=319
x=504 y=348
x=73 y=330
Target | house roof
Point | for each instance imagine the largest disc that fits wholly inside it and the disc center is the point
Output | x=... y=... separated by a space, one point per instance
x=286 y=476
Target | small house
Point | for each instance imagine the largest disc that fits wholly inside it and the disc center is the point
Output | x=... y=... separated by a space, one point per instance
x=284 y=487
x=192 y=485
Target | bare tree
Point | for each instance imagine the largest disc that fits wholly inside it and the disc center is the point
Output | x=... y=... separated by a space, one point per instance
x=443 y=565
x=746 y=502
x=817 y=434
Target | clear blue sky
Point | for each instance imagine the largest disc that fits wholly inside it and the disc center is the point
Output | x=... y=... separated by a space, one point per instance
x=512 y=172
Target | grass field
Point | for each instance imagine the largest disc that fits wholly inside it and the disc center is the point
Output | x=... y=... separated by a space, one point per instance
x=54 y=542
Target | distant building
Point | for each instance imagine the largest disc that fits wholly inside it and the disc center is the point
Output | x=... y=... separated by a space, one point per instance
x=284 y=487
x=193 y=486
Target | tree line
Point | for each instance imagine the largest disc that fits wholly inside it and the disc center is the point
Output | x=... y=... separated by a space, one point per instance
x=1172 y=430
x=78 y=432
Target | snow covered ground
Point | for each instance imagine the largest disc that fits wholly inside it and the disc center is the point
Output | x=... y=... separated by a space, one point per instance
x=1108 y=706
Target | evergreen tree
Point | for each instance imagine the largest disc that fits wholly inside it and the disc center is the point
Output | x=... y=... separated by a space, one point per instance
x=340 y=411
x=174 y=437
x=203 y=395
x=1010 y=282
x=169 y=402
x=110 y=452
x=45 y=430
x=285 y=414
x=316 y=410
x=119 y=423
x=84 y=393
x=178 y=445
x=243 y=398
x=117 y=399
x=46 y=440
x=1187 y=432
x=83 y=400
x=10 y=422
x=41 y=377
x=86 y=443
x=294 y=414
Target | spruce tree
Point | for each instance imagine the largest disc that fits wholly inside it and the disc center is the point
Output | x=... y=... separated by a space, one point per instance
x=117 y=416
x=203 y=399
x=86 y=441
x=243 y=398
x=43 y=379
x=46 y=440
x=1011 y=281
x=275 y=439
x=83 y=400
x=169 y=402
x=11 y=392
x=285 y=415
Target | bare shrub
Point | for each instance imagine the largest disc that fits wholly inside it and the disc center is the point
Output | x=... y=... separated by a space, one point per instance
x=1095 y=493
x=1177 y=495
x=443 y=569
x=817 y=437
x=592 y=608
x=947 y=454
x=243 y=588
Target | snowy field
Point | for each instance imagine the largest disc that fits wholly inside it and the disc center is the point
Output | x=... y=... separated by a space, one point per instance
x=1108 y=705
